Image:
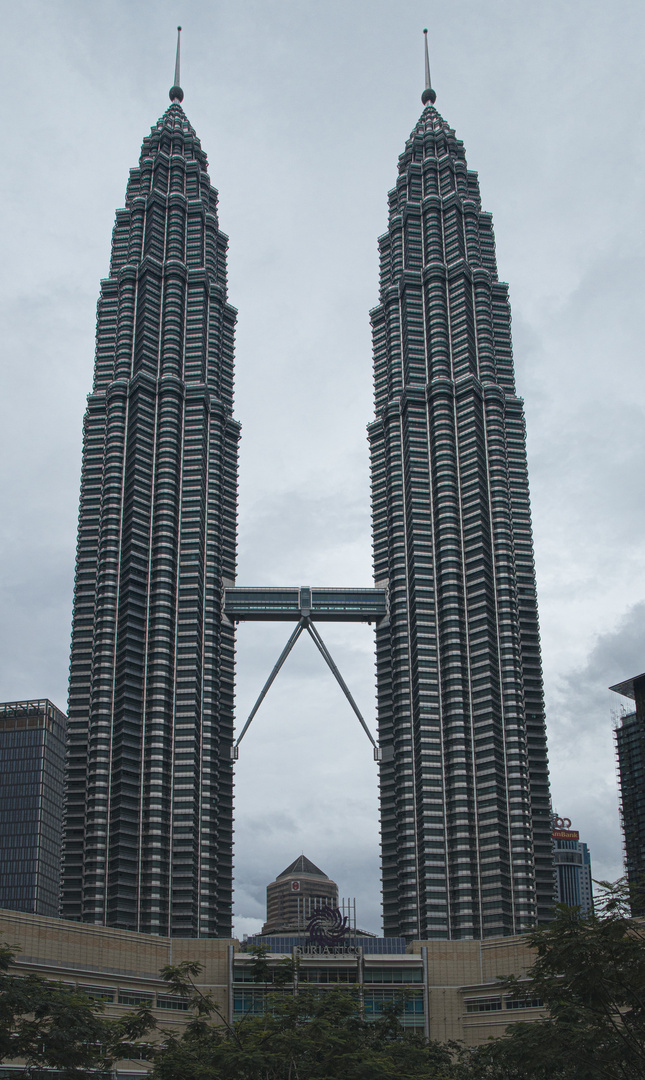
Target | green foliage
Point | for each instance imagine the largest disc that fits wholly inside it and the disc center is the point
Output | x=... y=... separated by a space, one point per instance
x=280 y=974
x=180 y=980
x=50 y=1025
x=260 y=963
x=315 y=1035
x=590 y=974
x=284 y=971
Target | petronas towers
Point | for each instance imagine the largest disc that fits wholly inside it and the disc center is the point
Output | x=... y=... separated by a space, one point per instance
x=464 y=783
x=148 y=836
x=465 y=811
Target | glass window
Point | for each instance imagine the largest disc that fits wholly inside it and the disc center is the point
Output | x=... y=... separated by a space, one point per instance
x=488 y=1004
x=248 y=1002
x=376 y=1000
x=393 y=975
x=97 y=993
x=328 y=975
x=128 y=998
x=176 y=1003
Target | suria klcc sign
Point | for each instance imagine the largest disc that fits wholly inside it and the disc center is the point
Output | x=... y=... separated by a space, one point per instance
x=328 y=926
x=328 y=929
x=562 y=829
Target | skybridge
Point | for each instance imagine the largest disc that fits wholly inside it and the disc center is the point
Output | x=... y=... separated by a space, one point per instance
x=305 y=606
x=321 y=605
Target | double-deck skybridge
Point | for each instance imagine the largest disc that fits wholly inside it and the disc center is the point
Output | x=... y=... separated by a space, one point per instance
x=305 y=606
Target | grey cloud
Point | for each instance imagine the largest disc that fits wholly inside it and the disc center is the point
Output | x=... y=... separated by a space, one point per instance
x=581 y=744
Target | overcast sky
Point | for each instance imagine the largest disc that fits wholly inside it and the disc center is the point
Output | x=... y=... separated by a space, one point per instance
x=303 y=109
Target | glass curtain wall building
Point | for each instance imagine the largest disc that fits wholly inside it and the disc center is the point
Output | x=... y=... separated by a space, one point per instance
x=148 y=820
x=465 y=808
x=572 y=860
x=630 y=749
x=32 y=768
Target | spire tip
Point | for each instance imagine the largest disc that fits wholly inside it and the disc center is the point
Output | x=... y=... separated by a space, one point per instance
x=176 y=93
x=428 y=94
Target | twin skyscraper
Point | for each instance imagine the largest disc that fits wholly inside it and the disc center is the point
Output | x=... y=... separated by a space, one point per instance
x=465 y=810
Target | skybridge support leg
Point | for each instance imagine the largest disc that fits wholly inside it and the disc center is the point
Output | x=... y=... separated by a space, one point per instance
x=265 y=689
x=305 y=623
x=326 y=655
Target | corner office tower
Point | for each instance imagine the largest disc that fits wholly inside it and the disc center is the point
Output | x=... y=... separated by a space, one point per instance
x=466 y=834
x=148 y=829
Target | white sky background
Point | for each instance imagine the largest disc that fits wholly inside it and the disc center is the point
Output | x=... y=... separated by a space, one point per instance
x=303 y=109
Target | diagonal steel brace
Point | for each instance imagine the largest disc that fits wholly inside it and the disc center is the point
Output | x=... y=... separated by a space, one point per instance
x=305 y=623
x=265 y=689
x=324 y=652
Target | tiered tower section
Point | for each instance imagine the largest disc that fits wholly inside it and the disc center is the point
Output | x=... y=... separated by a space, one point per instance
x=148 y=838
x=466 y=839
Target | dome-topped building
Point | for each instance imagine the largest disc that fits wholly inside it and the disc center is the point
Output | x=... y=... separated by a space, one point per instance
x=295 y=894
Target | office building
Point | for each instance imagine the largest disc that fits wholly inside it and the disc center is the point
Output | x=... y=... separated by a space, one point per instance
x=32 y=768
x=148 y=817
x=572 y=861
x=295 y=894
x=630 y=749
x=465 y=808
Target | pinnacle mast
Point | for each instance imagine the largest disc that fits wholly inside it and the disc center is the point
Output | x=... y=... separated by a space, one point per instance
x=428 y=94
x=176 y=93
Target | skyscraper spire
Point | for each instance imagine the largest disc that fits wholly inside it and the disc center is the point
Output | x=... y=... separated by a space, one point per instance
x=428 y=94
x=148 y=817
x=465 y=811
x=176 y=93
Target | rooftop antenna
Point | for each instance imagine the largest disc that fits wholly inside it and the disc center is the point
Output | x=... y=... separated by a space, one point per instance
x=428 y=94
x=176 y=93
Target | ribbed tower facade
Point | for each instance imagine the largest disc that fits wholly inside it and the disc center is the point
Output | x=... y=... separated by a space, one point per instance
x=148 y=820
x=466 y=837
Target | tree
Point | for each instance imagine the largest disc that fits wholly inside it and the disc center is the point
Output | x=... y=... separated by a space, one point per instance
x=50 y=1025
x=314 y=1035
x=590 y=974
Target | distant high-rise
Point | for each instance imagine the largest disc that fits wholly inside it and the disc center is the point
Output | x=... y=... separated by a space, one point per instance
x=573 y=882
x=630 y=746
x=295 y=894
x=32 y=765
x=148 y=825
x=465 y=808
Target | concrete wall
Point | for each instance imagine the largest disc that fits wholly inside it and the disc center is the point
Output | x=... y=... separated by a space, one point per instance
x=459 y=972
x=126 y=963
